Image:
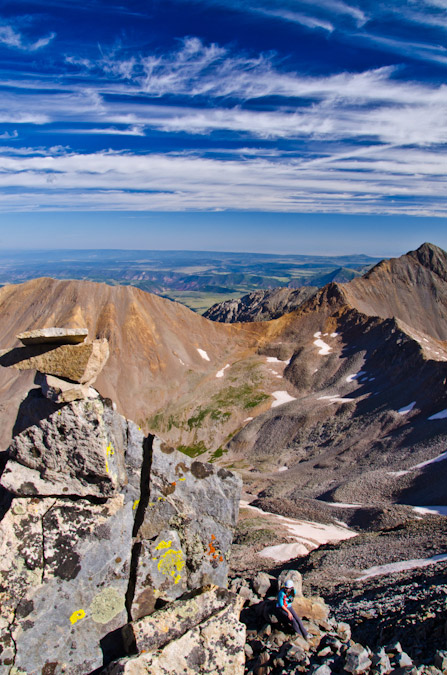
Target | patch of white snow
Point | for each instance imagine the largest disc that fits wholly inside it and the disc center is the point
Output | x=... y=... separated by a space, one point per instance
x=273 y=359
x=427 y=510
x=439 y=416
x=343 y=506
x=401 y=566
x=308 y=535
x=438 y=458
x=334 y=334
x=284 y=552
x=248 y=419
x=354 y=376
x=335 y=399
x=407 y=408
x=203 y=354
x=221 y=372
x=283 y=468
x=281 y=397
x=317 y=334
x=324 y=348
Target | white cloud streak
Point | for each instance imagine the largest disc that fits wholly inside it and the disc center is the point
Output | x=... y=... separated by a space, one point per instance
x=160 y=182
x=10 y=37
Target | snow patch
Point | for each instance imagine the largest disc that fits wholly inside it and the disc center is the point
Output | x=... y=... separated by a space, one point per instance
x=283 y=468
x=221 y=372
x=317 y=334
x=324 y=348
x=354 y=376
x=284 y=552
x=439 y=416
x=334 y=334
x=342 y=506
x=438 y=458
x=335 y=399
x=427 y=510
x=401 y=566
x=407 y=408
x=203 y=354
x=273 y=359
x=308 y=535
x=281 y=397
x=248 y=419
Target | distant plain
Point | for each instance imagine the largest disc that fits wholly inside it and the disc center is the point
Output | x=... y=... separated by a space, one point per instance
x=197 y=279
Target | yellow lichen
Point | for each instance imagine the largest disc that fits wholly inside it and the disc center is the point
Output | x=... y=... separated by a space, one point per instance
x=171 y=562
x=77 y=616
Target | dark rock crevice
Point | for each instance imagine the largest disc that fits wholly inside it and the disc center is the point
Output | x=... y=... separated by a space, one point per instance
x=139 y=518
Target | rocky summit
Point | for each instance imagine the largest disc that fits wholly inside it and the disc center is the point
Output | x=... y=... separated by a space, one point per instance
x=102 y=527
x=325 y=410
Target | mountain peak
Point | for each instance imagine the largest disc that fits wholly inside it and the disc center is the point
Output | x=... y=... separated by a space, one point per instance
x=432 y=257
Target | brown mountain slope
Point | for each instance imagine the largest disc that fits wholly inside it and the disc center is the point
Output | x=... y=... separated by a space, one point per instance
x=365 y=387
x=154 y=343
x=412 y=288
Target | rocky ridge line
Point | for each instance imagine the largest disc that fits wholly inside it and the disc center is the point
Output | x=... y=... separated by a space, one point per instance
x=105 y=535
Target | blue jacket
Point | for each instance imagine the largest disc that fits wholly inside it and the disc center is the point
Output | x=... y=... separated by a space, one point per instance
x=284 y=597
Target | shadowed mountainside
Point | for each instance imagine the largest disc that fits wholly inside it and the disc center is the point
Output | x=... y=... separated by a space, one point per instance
x=260 y=305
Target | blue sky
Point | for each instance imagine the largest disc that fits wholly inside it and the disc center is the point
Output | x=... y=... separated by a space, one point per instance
x=289 y=126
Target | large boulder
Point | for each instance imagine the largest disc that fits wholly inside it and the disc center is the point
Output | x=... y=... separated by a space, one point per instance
x=187 y=526
x=78 y=450
x=64 y=569
x=201 y=634
x=79 y=363
x=103 y=523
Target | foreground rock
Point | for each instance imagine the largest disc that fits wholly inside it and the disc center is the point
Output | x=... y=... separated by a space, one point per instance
x=186 y=530
x=60 y=336
x=104 y=523
x=200 y=634
x=77 y=363
x=78 y=450
x=63 y=391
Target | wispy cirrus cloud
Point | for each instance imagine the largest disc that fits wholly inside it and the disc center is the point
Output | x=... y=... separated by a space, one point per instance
x=11 y=37
x=182 y=182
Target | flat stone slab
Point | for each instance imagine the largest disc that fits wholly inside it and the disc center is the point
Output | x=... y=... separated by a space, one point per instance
x=177 y=618
x=214 y=646
x=60 y=336
x=78 y=363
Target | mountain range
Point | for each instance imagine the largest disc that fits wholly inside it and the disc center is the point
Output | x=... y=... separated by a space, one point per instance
x=331 y=403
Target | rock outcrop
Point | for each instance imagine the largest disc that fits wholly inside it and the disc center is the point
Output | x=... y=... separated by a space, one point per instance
x=104 y=524
x=78 y=363
x=260 y=305
x=200 y=634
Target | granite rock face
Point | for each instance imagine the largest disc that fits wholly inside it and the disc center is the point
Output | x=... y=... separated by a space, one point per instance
x=78 y=450
x=78 y=363
x=64 y=576
x=103 y=522
x=55 y=335
x=203 y=636
x=186 y=529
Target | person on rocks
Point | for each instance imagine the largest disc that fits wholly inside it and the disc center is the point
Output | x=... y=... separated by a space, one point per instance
x=285 y=611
